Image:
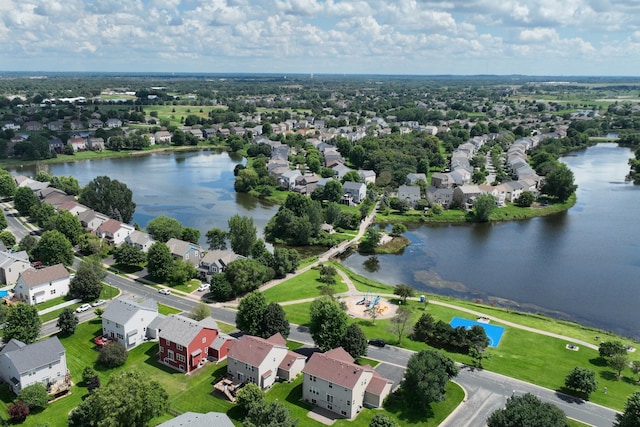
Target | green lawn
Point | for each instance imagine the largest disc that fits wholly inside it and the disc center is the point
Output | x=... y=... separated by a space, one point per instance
x=305 y=285
x=166 y=310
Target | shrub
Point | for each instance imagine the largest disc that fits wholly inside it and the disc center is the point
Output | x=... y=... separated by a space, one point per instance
x=18 y=411
x=113 y=355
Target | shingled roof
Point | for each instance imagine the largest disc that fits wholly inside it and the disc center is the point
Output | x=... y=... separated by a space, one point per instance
x=33 y=277
x=28 y=357
x=182 y=330
x=253 y=350
x=334 y=367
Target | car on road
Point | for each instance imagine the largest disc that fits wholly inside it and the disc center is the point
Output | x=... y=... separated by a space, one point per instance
x=99 y=302
x=378 y=342
x=203 y=287
x=165 y=291
x=83 y=308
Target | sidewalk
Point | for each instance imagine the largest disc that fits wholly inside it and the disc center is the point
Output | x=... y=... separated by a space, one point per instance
x=59 y=306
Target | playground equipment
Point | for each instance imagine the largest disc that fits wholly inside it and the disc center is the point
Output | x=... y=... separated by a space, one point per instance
x=366 y=298
x=373 y=303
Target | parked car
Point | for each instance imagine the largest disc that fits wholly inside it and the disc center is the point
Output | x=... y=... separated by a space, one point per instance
x=165 y=291
x=99 y=302
x=377 y=342
x=203 y=287
x=83 y=308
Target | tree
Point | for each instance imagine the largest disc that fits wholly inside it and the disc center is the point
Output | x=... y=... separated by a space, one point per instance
x=483 y=205
x=67 y=321
x=53 y=248
x=354 y=341
x=373 y=313
x=221 y=289
x=87 y=373
x=159 y=261
x=525 y=200
x=190 y=234
x=269 y=414
x=66 y=223
x=242 y=234
x=274 y=321
x=383 y=420
x=351 y=176
x=618 y=362
x=18 y=411
x=200 y=311
x=611 y=348
x=113 y=355
x=527 y=410
x=250 y=312
x=426 y=377
x=24 y=199
x=90 y=244
x=7 y=184
x=631 y=415
x=400 y=320
x=285 y=261
x=582 y=380
x=328 y=323
x=371 y=240
x=245 y=275
x=332 y=191
x=163 y=228
x=328 y=274
x=217 y=239
x=249 y=396
x=118 y=402
x=129 y=255
x=23 y=324
x=181 y=273
x=404 y=292
x=110 y=197
x=559 y=183
x=87 y=284
x=7 y=238
x=635 y=367
x=28 y=244
x=398 y=229
x=35 y=396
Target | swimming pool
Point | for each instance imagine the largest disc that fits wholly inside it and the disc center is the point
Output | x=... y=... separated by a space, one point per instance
x=494 y=333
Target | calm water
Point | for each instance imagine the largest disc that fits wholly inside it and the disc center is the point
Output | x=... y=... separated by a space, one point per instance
x=196 y=188
x=582 y=265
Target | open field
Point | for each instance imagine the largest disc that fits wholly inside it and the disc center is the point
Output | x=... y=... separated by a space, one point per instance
x=305 y=285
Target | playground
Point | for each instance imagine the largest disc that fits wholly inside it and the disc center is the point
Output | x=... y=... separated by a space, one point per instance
x=360 y=305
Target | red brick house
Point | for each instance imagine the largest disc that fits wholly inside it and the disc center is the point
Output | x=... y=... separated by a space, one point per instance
x=184 y=342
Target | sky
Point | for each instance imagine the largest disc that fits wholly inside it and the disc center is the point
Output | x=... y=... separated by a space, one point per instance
x=417 y=37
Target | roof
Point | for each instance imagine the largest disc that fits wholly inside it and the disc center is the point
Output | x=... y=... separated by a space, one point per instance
x=193 y=419
x=180 y=247
x=28 y=357
x=289 y=359
x=350 y=185
x=110 y=226
x=33 y=277
x=220 y=340
x=252 y=350
x=139 y=237
x=182 y=330
x=377 y=384
x=220 y=258
x=334 y=367
x=121 y=310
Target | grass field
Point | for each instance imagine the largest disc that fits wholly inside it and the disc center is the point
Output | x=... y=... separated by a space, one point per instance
x=305 y=285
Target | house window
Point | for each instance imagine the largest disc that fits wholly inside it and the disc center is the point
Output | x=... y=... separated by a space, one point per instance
x=120 y=336
x=170 y=354
x=344 y=413
x=53 y=291
x=161 y=349
x=204 y=340
x=329 y=398
x=312 y=378
x=179 y=347
x=181 y=358
x=330 y=385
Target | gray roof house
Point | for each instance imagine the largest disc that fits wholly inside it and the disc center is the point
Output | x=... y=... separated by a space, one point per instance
x=126 y=320
x=367 y=176
x=11 y=265
x=139 y=239
x=194 y=419
x=442 y=180
x=410 y=194
x=41 y=362
x=340 y=170
x=185 y=251
x=214 y=262
x=356 y=191
x=441 y=196
x=412 y=178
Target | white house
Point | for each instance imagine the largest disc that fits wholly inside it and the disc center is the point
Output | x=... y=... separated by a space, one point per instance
x=114 y=231
x=126 y=320
x=357 y=191
x=36 y=286
x=216 y=261
x=139 y=239
x=410 y=194
x=367 y=176
x=45 y=362
x=11 y=265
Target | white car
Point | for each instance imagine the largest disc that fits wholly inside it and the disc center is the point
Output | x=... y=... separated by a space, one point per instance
x=203 y=287
x=83 y=308
x=165 y=291
x=99 y=302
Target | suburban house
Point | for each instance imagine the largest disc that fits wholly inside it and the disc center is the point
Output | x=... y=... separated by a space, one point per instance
x=78 y=143
x=219 y=348
x=194 y=419
x=113 y=123
x=261 y=361
x=410 y=194
x=367 y=176
x=36 y=286
x=95 y=144
x=441 y=196
x=354 y=191
x=41 y=362
x=185 y=251
x=163 y=137
x=184 y=342
x=11 y=265
x=74 y=207
x=288 y=179
x=126 y=320
x=114 y=231
x=465 y=194
x=413 y=178
x=91 y=219
x=139 y=239
x=333 y=381
x=216 y=261
x=442 y=180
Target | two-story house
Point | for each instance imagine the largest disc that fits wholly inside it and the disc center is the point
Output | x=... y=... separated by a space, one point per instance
x=214 y=262
x=126 y=320
x=114 y=231
x=356 y=191
x=140 y=240
x=45 y=362
x=185 y=251
x=261 y=361
x=11 y=265
x=410 y=194
x=184 y=342
x=36 y=286
x=333 y=381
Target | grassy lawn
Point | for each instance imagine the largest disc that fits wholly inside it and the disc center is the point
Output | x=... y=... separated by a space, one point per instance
x=107 y=292
x=166 y=310
x=305 y=285
x=188 y=287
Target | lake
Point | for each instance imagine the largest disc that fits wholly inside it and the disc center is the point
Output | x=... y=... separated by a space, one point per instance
x=581 y=265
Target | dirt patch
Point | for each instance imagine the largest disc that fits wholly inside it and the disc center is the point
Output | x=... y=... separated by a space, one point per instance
x=386 y=307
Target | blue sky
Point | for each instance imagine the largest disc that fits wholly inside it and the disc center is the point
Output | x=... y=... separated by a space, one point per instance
x=535 y=37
